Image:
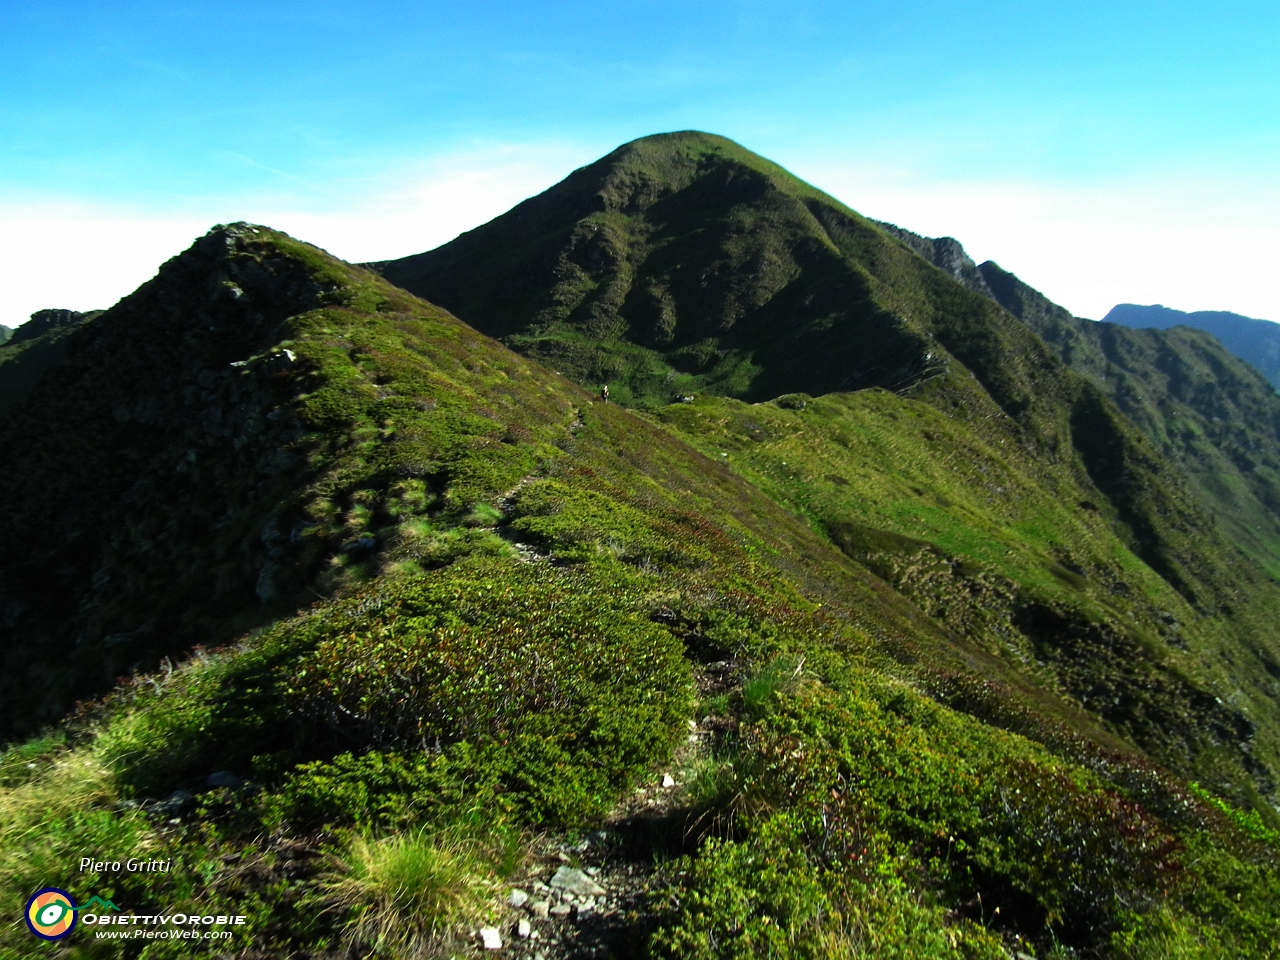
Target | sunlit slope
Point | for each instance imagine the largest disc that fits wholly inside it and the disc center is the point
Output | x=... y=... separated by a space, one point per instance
x=683 y=263
x=1213 y=415
x=1034 y=573
x=485 y=608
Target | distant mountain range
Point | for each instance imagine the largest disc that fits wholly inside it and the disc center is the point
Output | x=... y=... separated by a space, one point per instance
x=1255 y=341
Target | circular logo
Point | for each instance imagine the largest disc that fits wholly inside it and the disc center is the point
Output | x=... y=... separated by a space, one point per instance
x=51 y=913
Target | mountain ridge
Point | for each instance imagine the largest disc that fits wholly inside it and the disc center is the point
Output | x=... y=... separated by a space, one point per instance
x=948 y=661
x=36 y=346
x=890 y=321
x=1255 y=341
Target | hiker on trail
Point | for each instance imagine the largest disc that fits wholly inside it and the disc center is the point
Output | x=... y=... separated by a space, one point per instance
x=604 y=393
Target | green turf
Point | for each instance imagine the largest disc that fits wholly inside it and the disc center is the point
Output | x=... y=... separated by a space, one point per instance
x=442 y=591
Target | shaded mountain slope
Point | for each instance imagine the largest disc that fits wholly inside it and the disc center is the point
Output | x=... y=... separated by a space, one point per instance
x=1257 y=342
x=35 y=347
x=524 y=608
x=191 y=470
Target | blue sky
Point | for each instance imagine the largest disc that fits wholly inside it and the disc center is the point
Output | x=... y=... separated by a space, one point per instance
x=1103 y=151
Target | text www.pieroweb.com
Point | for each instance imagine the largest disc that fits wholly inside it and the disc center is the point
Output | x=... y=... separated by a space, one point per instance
x=178 y=926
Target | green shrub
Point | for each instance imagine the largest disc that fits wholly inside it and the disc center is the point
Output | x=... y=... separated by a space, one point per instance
x=780 y=675
x=484 y=656
x=497 y=677
x=765 y=897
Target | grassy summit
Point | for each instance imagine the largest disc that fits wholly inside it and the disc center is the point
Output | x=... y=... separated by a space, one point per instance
x=767 y=287
x=945 y=671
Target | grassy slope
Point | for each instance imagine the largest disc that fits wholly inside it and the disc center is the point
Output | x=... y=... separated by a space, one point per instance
x=1210 y=413
x=544 y=577
x=687 y=242
x=1035 y=575
x=1257 y=342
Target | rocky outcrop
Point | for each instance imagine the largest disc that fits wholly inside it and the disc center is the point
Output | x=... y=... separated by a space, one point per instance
x=45 y=321
x=946 y=254
x=34 y=348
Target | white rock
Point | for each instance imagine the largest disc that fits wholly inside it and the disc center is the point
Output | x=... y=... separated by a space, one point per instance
x=668 y=781
x=517 y=898
x=490 y=938
x=523 y=929
x=539 y=909
x=561 y=910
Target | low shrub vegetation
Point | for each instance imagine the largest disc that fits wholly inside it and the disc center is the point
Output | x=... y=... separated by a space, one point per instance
x=522 y=598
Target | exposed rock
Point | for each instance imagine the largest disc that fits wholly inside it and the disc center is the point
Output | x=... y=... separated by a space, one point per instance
x=42 y=321
x=223 y=778
x=517 y=898
x=490 y=938
x=574 y=881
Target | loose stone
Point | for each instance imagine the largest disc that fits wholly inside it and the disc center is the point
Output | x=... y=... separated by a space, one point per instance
x=574 y=881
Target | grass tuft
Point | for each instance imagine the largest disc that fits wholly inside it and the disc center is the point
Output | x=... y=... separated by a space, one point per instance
x=409 y=895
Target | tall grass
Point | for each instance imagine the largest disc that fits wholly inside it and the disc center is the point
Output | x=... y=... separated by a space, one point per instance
x=410 y=895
